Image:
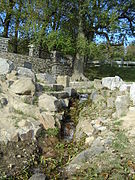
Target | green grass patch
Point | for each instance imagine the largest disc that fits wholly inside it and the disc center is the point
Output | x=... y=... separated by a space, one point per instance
x=126 y=73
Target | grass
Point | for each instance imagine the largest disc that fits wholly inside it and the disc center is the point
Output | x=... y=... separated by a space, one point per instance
x=126 y=73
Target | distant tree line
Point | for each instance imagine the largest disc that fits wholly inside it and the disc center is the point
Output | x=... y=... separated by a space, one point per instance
x=71 y=27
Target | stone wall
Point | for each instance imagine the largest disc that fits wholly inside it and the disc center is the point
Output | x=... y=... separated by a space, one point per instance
x=4 y=44
x=58 y=66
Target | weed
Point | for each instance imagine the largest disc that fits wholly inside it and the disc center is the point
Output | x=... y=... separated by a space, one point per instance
x=52 y=132
x=120 y=142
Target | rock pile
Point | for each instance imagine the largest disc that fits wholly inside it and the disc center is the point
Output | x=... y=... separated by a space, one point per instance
x=29 y=101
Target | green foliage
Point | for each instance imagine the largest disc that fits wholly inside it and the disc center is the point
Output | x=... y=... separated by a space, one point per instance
x=120 y=142
x=56 y=24
x=82 y=45
x=127 y=74
x=52 y=132
x=57 y=40
x=130 y=54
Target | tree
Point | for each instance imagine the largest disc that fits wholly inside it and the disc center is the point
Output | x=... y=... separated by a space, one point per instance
x=6 y=8
x=130 y=52
x=71 y=26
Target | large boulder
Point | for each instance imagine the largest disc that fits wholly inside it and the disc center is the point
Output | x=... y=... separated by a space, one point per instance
x=15 y=126
x=112 y=82
x=47 y=120
x=38 y=176
x=27 y=128
x=46 y=78
x=6 y=66
x=21 y=71
x=132 y=93
x=49 y=103
x=84 y=127
x=23 y=86
x=122 y=104
x=85 y=157
x=16 y=105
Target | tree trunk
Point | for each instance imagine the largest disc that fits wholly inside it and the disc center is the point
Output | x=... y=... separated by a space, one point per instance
x=78 y=68
x=78 y=64
x=15 y=50
x=8 y=18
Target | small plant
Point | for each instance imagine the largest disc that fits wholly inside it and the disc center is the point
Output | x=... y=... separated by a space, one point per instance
x=35 y=100
x=120 y=142
x=52 y=132
x=47 y=89
x=17 y=111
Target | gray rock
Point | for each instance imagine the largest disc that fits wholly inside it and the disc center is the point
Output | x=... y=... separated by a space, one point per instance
x=85 y=156
x=49 y=103
x=112 y=82
x=57 y=87
x=46 y=78
x=28 y=65
x=38 y=176
x=60 y=94
x=6 y=66
x=111 y=102
x=3 y=101
x=83 y=127
x=122 y=104
x=94 y=95
x=21 y=71
x=72 y=92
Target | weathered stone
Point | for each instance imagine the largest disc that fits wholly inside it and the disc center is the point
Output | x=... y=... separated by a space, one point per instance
x=123 y=87
x=63 y=80
x=39 y=87
x=48 y=103
x=112 y=82
x=132 y=93
x=72 y=92
x=85 y=156
x=26 y=72
x=60 y=94
x=38 y=176
x=16 y=105
x=106 y=93
x=98 y=100
x=12 y=76
x=98 y=84
x=57 y=87
x=94 y=95
x=27 y=65
x=89 y=140
x=6 y=66
x=122 y=104
x=46 y=78
x=3 y=101
x=47 y=120
x=23 y=86
x=111 y=102
x=84 y=127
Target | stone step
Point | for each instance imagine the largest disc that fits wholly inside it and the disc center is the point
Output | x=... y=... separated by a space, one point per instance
x=59 y=94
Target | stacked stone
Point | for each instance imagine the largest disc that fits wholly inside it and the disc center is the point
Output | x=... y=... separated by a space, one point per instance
x=4 y=44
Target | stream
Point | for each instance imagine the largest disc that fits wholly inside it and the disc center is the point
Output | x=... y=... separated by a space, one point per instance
x=47 y=155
